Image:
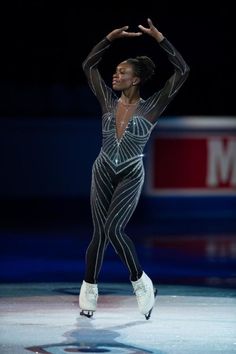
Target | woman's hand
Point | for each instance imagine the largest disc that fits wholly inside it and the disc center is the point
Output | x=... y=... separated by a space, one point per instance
x=152 y=31
x=122 y=33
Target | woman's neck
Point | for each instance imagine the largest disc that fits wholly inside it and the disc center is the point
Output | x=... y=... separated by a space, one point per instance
x=129 y=100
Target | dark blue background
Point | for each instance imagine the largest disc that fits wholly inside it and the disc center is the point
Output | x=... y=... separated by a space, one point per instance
x=50 y=134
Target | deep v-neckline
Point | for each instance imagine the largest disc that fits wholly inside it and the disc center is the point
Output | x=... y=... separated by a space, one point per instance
x=119 y=139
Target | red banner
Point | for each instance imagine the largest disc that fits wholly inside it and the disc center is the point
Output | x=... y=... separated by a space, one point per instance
x=190 y=163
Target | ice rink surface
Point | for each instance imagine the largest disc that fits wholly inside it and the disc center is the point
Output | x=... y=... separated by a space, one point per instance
x=44 y=318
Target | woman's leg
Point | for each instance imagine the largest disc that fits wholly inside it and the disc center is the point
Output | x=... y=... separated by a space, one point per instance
x=100 y=198
x=123 y=204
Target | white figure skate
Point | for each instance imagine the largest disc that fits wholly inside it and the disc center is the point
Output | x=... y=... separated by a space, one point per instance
x=88 y=299
x=145 y=294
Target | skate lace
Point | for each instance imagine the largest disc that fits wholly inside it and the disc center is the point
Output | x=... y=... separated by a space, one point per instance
x=91 y=290
x=140 y=289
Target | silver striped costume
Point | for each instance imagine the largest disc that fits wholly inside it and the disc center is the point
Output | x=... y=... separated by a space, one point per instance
x=118 y=171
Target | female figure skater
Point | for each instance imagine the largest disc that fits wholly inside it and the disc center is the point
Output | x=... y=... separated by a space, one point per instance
x=118 y=171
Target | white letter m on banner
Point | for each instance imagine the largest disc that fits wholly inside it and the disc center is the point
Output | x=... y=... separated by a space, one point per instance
x=221 y=162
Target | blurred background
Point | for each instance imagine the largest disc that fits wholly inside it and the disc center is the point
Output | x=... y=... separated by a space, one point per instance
x=185 y=224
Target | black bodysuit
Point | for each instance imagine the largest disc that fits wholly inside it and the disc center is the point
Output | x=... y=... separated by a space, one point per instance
x=118 y=171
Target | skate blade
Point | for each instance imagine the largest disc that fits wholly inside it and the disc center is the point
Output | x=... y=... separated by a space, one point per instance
x=87 y=313
x=148 y=315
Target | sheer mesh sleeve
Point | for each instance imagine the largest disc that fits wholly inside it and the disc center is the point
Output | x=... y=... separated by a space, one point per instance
x=155 y=104
x=103 y=93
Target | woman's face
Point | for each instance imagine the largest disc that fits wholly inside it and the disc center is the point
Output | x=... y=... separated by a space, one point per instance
x=124 y=77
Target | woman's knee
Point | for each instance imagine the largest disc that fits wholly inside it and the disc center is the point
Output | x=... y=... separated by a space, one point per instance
x=99 y=235
x=112 y=230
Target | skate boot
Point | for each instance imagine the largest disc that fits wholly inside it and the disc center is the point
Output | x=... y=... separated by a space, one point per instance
x=88 y=299
x=145 y=294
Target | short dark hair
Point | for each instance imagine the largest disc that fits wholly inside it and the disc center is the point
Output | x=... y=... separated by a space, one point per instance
x=143 y=67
